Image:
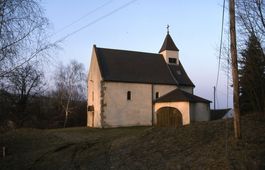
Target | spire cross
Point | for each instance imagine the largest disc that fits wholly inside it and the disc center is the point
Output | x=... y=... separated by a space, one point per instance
x=167 y=29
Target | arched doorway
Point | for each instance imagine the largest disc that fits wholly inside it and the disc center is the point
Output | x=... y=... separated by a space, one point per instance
x=169 y=117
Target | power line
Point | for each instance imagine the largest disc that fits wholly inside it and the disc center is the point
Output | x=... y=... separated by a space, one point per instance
x=224 y=93
x=220 y=53
x=98 y=19
x=221 y=45
x=82 y=17
x=74 y=32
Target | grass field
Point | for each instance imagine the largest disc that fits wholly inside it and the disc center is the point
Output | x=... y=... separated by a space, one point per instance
x=206 y=145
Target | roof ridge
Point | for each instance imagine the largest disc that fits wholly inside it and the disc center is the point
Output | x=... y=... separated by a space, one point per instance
x=127 y=50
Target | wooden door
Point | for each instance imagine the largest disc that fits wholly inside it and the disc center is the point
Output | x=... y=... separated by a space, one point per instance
x=169 y=117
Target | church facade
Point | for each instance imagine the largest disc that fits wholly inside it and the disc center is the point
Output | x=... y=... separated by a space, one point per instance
x=130 y=88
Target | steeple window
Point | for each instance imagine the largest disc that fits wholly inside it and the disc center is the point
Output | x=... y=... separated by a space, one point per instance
x=172 y=60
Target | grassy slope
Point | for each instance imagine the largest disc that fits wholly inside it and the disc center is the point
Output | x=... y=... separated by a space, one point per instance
x=198 y=146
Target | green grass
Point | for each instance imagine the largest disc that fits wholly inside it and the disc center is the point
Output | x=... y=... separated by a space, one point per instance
x=197 y=146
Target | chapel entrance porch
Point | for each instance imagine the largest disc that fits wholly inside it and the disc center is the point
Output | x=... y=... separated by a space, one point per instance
x=169 y=117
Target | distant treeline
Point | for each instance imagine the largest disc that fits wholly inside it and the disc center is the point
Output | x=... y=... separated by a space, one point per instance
x=40 y=112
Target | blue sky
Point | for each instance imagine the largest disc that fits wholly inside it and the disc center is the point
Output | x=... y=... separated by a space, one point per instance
x=141 y=26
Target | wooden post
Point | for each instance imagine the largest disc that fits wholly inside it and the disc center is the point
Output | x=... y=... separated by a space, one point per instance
x=214 y=106
x=233 y=50
x=227 y=84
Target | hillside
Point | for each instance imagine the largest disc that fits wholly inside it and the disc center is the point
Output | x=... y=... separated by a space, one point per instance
x=197 y=146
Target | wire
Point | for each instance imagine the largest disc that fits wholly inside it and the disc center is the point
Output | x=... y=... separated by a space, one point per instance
x=74 y=32
x=224 y=93
x=82 y=17
x=98 y=19
x=221 y=45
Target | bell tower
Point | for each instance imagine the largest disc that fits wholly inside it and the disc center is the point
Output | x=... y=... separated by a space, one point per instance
x=169 y=50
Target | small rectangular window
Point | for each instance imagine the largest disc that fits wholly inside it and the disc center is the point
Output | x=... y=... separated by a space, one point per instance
x=129 y=95
x=172 y=60
x=157 y=95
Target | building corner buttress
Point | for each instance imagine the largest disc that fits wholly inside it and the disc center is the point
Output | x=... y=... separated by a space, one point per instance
x=102 y=104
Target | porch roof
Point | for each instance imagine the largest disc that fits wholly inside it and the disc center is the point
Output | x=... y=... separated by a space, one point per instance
x=178 y=95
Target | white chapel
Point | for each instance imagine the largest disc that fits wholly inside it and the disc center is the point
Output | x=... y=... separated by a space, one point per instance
x=133 y=88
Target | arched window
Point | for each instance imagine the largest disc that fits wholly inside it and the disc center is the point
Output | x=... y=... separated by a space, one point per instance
x=129 y=95
x=157 y=95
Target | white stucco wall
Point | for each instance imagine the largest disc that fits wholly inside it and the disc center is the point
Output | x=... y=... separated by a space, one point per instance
x=118 y=111
x=187 y=89
x=94 y=86
x=163 y=89
x=200 y=111
x=183 y=107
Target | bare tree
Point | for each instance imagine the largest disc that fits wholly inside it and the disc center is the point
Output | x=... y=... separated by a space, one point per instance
x=250 y=18
x=22 y=84
x=70 y=86
x=250 y=21
x=23 y=33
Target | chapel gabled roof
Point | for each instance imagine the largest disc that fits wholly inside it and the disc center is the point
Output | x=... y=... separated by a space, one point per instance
x=139 y=67
x=168 y=44
x=180 y=75
x=133 y=67
x=180 y=95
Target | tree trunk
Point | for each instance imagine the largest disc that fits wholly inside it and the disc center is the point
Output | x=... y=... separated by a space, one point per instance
x=67 y=110
x=66 y=118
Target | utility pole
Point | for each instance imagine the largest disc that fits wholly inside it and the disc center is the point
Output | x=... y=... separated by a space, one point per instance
x=214 y=97
x=227 y=83
x=233 y=50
